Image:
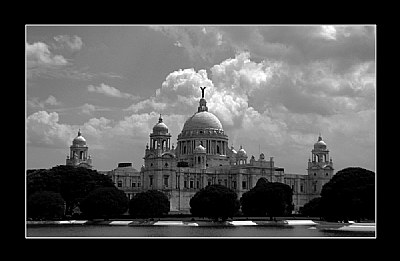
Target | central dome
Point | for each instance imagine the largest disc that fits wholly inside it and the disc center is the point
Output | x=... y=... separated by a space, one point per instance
x=202 y=120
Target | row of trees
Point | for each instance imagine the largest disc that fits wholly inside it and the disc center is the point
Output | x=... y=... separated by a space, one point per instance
x=55 y=192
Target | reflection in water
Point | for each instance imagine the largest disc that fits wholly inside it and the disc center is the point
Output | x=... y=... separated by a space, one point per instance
x=184 y=231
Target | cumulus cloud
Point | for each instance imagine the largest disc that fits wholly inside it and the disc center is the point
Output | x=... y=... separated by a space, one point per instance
x=110 y=91
x=44 y=130
x=73 y=43
x=38 y=54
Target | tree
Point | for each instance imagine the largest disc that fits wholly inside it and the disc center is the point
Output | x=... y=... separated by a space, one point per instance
x=312 y=208
x=267 y=198
x=214 y=201
x=45 y=205
x=73 y=183
x=150 y=203
x=104 y=202
x=350 y=194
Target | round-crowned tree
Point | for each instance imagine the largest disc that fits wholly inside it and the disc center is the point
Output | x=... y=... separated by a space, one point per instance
x=104 y=203
x=214 y=201
x=267 y=198
x=45 y=205
x=149 y=204
x=350 y=194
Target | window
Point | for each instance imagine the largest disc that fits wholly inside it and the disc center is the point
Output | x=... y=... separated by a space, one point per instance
x=244 y=184
x=326 y=174
x=198 y=184
x=292 y=187
x=219 y=181
x=191 y=183
x=151 y=181
x=166 y=181
x=119 y=183
x=139 y=184
x=185 y=183
x=184 y=149
x=315 y=187
x=301 y=188
x=218 y=149
x=209 y=182
x=315 y=174
x=234 y=184
x=133 y=184
x=166 y=164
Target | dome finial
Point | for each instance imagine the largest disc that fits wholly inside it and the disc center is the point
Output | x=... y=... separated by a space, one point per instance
x=160 y=119
x=79 y=132
x=319 y=137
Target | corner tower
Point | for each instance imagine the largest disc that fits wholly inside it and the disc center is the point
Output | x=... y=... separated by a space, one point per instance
x=78 y=155
x=320 y=168
x=159 y=159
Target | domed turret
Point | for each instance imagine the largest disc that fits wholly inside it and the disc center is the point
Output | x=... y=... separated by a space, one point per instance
x=320 y=144
x=234 y=152
x=79 y=155
x=242 y=153
x=160 y=127
x=79 y=140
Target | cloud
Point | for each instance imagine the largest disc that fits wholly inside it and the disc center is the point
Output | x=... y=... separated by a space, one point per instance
x=199 y=42
x=36 y=103
x=88 y=108
x=74 y=43
x=43 y=130
x=110 y=91
x=38 y=54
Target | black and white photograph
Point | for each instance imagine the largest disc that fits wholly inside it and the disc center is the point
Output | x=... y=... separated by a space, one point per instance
x=205 y=131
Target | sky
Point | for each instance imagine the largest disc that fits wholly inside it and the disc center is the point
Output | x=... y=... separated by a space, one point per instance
x=274 y=89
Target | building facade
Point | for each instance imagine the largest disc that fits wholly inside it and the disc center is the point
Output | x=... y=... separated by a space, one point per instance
x=202 y=157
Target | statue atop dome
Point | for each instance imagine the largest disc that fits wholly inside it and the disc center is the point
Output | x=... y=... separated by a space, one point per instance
x=202 y=103
x=202 y=92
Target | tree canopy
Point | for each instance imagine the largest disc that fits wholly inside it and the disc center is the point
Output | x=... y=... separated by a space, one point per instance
x=150 y=203
x=45 y=205
x=104 y=202
x=73 y=183
x=350 y=194
x=267 y=198
x=214 y=201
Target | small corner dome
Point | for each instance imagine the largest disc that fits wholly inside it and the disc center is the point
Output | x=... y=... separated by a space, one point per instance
x=234 y=152
x=241 y=152
x=79 y=140
x=320 y=143
x=160 y=127
x=200 y=149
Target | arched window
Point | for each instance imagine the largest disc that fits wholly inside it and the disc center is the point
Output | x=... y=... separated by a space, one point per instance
x=199 y=160
x=166 y=164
